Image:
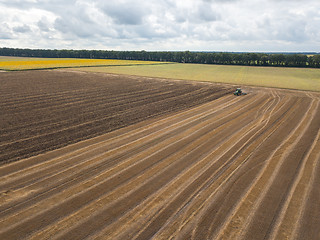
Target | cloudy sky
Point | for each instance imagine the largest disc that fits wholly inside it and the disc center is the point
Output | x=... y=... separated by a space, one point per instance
x=195 y=25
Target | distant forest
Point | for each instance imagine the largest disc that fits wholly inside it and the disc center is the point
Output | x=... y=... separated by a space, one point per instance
x=225 y=58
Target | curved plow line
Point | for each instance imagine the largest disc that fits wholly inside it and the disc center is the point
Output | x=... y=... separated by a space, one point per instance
x=265 y=122
x=253 y=200
x=133 y=184
x=303 y=184
x=316 y=166
x=258 y=144
x=265 y=119
x=194 y=213
x=288 y=196
x=234 y=215
x=297 y=197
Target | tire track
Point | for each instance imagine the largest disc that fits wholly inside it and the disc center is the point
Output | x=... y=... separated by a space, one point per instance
x=269 y=131
x=289 y=168
x=252 y=173
x=293 y=209
x=244 y=209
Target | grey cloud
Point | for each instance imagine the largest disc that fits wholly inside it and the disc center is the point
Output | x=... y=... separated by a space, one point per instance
x=22 y=29
x=5 y=32
x=17 y=4
x=161 y=24
x=207 y=13
x=44 y=25
x=128 y=13
x=74 y=27
x=292 y=32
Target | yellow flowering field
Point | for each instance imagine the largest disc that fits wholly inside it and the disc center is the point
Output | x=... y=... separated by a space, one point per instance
x=16 y=64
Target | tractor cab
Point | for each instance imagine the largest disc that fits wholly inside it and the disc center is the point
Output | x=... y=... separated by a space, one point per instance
x=239 y=92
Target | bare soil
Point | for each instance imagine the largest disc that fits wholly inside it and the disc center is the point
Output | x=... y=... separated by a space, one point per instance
x=230 y=167
x=45 y=110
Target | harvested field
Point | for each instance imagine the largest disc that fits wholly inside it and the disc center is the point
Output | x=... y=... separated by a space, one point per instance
x=243 y=167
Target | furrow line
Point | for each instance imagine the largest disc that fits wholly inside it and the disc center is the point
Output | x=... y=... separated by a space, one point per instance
x=233 y=225
x=242 y=178
x=64 y=96
x=282 y=178
x=132 y=105
x=288 y=224
x=307 y=226
x=252 y=142
x=102 y=186
x=58 y=114
x=133 y=185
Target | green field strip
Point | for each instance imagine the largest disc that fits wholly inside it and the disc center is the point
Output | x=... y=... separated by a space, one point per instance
x=277 y=77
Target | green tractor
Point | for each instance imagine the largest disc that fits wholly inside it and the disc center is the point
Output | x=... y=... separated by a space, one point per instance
x=239 y=92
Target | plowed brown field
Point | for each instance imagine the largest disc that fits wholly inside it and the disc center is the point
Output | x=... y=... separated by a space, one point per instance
x=243 y=167
x=45 y=110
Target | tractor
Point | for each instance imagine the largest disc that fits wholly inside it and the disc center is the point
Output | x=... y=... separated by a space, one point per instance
x=239 y=92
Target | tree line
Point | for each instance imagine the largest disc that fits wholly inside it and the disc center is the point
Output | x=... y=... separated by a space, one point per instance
x=225 y=58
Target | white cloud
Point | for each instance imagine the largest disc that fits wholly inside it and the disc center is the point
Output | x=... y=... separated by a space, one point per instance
x=216 y=25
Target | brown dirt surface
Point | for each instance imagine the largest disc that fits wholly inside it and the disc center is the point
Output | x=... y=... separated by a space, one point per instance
x=244 y=167
x=45 y=110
